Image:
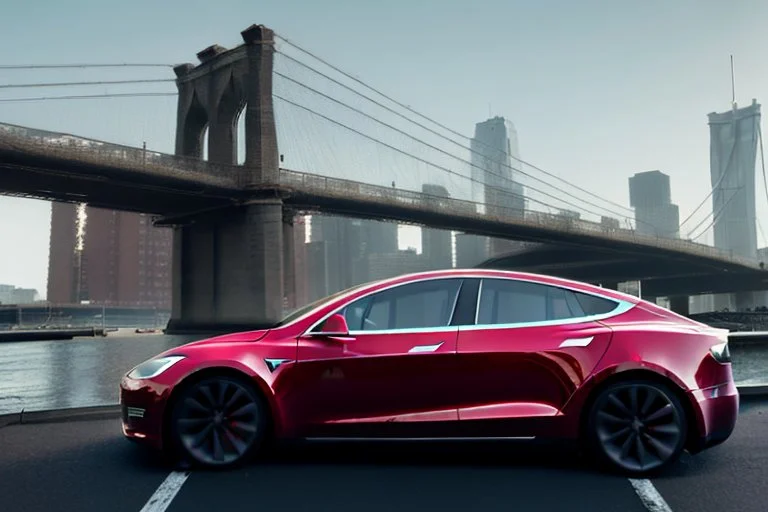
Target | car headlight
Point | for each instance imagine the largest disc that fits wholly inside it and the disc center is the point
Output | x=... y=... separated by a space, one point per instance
x=153 y=367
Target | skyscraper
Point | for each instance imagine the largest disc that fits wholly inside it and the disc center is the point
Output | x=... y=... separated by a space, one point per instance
x=436 y=250
x=495 y=155
x=651 y=197
x=732 y=152
x=123 y=261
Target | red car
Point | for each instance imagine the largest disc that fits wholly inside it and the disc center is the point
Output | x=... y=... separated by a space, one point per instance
x=456 y=354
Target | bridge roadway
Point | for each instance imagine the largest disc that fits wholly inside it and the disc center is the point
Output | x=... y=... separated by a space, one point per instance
x=62 y=167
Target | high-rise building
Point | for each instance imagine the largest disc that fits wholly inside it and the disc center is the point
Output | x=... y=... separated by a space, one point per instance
x=436 y=245
x=348 y=243
x=495 y=156
x=471 y=250
x=385 y=265
x=651 y=196
x=123 y=261
x=733 y=151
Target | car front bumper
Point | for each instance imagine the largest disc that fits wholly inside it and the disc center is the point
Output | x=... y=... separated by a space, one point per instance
x=143 y=408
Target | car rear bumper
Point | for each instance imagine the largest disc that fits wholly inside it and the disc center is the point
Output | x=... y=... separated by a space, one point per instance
x=143 y=407
x=719 y=408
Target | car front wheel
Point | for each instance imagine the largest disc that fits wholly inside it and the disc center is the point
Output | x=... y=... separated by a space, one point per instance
x=218 y=421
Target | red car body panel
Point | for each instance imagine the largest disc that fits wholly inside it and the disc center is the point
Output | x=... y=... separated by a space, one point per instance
x=527 y=380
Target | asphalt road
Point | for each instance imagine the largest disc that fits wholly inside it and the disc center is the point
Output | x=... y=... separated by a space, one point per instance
x=88 y=466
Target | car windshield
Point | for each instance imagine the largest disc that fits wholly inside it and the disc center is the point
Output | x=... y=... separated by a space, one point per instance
x=296 y=313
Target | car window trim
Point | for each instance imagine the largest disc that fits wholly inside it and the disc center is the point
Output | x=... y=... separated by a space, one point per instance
x=445 y=328
x=622 y=306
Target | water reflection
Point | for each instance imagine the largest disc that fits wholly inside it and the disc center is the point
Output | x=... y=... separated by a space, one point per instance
x=76 y=373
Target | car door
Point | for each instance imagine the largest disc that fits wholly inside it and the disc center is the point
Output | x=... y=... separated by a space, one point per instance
x=392 y=375
x=531 y=346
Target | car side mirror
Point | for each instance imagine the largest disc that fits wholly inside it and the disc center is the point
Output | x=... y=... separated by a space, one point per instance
x=335 y=325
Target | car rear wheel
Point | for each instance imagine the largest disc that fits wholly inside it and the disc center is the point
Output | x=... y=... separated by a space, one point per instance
x=637 y=427
x=218 y=421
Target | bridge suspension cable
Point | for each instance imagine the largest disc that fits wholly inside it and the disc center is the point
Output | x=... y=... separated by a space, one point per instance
x=431 y=146
x=427 y=162
x=715 y=216
x=88 y=96
x=99 y=82
x=436 y=123
x=70 y=66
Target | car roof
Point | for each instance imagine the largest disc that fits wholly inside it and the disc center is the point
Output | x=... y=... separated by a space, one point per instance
x=504 y=274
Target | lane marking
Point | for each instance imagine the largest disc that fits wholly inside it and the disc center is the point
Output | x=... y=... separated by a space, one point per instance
x=648 y=494
x=164 y=494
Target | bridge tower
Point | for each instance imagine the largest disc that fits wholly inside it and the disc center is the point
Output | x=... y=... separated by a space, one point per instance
x=229 y=266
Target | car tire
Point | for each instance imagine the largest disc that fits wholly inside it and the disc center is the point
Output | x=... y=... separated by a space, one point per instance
x=218 y=421
x=636 y=427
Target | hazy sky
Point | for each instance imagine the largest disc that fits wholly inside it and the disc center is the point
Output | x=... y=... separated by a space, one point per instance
x=598 y=90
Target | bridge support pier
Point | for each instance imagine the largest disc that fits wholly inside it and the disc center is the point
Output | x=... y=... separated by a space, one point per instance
x=228 y=271
x=680 y=304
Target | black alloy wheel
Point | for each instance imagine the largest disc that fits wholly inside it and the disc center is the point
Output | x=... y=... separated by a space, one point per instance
x=218 y=421
x=637 y=427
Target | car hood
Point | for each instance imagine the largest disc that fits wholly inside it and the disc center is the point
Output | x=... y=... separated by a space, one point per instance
x=237 y=337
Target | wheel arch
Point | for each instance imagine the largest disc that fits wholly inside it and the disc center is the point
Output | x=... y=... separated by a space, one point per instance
x=221 y=371
x=693 y=429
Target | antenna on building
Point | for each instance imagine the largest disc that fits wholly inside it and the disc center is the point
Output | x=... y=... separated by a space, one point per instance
x=733 y=86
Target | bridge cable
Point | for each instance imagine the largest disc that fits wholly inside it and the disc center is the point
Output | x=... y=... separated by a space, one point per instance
x=427 y=162
x=416 y=139
x=88 y=97
x=69 y=66
x=66 y=84
x=715 y=216
x=424 y=117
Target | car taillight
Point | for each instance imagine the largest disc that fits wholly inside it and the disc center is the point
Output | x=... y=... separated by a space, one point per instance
x=720 y=352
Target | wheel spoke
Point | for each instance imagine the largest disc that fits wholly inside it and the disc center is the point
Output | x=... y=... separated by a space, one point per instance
x=234 y=398
x=660 y=413
x=670 y=428
x=633 y=400
x=627 y=445
x=610 y=418
x=243 y=427
x=218 y=450
x=642 y=453
x=235 y=441
x=662 y=449
x=620 y=405
x=223 y=388
x=194 y=422
x=206 y=391
x=247 y=408
x=615 y=435
x=650 y=396
x=194 y=404
x=200 y=437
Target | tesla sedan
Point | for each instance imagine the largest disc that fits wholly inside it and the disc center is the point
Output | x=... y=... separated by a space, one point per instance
x=456 y=354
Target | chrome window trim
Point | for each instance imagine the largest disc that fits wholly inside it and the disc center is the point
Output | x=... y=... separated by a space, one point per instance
x=477 y=299
x=623 y=306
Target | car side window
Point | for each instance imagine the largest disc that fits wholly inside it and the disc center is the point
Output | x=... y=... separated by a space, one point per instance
x=415 y=305
x=507 y=301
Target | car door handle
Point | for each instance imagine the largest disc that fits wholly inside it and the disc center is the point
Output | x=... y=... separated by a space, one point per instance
x=426 y=348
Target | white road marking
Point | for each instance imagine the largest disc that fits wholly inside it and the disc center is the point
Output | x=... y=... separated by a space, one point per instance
x=164 y=494
x=648 y=494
